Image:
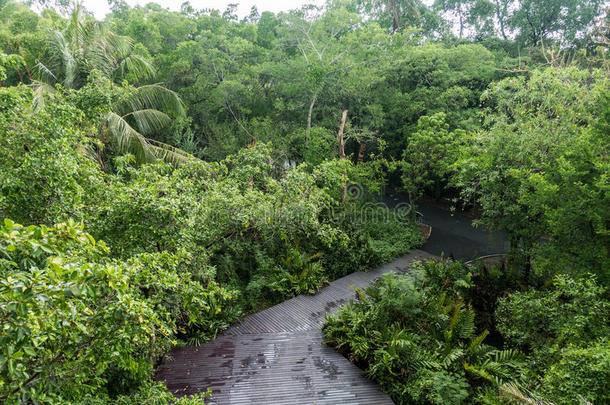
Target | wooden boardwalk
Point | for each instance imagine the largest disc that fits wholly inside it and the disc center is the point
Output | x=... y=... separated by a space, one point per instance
x=276 y=356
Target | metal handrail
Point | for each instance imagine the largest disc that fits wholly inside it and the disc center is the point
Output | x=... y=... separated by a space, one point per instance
x=470 y=262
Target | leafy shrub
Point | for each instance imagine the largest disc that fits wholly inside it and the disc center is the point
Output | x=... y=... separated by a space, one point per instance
x=300 y=273
x=66 y=306
x=571 y=311
x=415 y=335
x=148 y=393
x=582 y=372
x=320 y=147
x=376 y=235
x=563 y=328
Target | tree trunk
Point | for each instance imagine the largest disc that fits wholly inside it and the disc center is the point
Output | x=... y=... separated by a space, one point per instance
x=342 y=153
x=500 y=18
x=100 y=161
x=395 y=17
x=461 y=19
x=412 y=206
x=340 y=135
x=361 y=152
x=309 y=114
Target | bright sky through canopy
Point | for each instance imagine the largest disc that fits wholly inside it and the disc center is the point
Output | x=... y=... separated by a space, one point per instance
x=100 y=7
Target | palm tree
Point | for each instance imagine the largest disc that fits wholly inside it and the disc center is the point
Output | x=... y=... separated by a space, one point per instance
x=132 y=120
x=85 y=46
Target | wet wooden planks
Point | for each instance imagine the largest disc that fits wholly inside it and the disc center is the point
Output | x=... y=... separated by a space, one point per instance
x=276 y=356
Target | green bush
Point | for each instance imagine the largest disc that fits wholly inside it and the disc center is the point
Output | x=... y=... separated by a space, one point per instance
x=581 y=373
x=415 y=335
x=148 y=393
x=570 y=311
x=418 y=336
x=320 y=147
x=376 y=235
x=77 y=323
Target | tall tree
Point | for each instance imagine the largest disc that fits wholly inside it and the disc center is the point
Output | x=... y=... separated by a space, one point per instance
x=459 y=8
x=541 y=167
x=84 y=47
x=565 y=21
x=392 y=13
x=321 y=48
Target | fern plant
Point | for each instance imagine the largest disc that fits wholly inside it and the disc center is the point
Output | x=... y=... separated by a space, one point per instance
x=299 y=273
x=416 y=335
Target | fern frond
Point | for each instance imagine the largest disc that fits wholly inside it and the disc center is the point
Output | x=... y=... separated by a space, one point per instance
x=476 y=342
x=511 y=391
x=479 y=371
x=454 y=355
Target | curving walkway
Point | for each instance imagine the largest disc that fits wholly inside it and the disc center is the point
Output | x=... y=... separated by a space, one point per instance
x=276 y=356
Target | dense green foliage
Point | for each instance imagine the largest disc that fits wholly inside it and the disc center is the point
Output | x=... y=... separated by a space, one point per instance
x=545 y=136
x=187 y=248
x=274 y=77
x=416 y=336
x=538 y=169
x=163 y=173
x=419 y=336
x=66 y=304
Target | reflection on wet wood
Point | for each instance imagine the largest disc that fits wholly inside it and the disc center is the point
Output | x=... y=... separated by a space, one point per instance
x=276 y=356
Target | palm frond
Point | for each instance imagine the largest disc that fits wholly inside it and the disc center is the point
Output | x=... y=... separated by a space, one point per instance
x=137 y=65
x=64 y=57
x=89 y=150
x=45 y=74
x=126 y=139
x=145 y=150
x=41 y=90
x=148 y=121
x=168 y=153
x=118 y=45
x=97 y=56
x=152 y=96
x=81 y=27
x=513 y=392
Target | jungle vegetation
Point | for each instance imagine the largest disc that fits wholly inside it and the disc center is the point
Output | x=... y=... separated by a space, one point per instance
x=164 y=173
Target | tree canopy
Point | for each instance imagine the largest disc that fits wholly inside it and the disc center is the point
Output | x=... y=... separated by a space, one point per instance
x=164 y=173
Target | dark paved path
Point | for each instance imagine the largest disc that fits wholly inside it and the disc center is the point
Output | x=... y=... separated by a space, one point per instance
x=276 y=356
x=453 y=233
